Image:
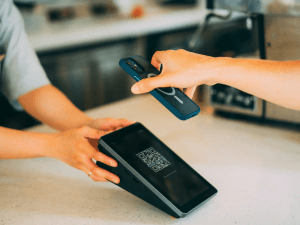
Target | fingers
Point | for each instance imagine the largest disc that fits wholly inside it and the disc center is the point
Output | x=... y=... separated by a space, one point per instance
x=116 y=123
x=93 y=176
x=99 y=174
x=156 y=59
x=148 y=84
x=86 y=148
x=190 y=91
x=73 y=148
x=160 y=56
x=99 y=156
x=142 y=86
x=92 y=133
x=110 y=124
x=126 y=123
x=96 y=178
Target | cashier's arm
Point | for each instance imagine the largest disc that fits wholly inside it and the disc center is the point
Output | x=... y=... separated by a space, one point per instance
x=71 y=147
x=75 y=144
x=52 y=107
x=274 y=81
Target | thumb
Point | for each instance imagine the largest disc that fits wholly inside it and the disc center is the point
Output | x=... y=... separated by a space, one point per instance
x=141 y=87
x=148 y=84
x=92 y=133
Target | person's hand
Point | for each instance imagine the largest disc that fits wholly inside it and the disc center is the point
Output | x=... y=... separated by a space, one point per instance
x=107 y=124
x=73 y=148
x=181 y=69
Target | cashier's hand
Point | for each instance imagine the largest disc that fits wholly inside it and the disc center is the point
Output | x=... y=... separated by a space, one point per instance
x=107 y=124
x=180 y=69
x=73 y=148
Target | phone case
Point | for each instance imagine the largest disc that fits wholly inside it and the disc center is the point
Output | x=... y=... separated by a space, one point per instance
x=155 y=93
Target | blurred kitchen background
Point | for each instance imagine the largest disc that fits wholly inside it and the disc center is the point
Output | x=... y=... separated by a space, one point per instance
x=80 y=43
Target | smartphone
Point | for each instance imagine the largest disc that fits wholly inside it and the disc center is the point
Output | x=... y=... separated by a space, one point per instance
x=172 y=98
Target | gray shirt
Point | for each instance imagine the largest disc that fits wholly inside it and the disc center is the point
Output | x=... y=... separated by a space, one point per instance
x=20 y=70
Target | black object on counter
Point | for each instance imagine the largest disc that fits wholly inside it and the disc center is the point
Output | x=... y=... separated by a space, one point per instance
x=151 y=171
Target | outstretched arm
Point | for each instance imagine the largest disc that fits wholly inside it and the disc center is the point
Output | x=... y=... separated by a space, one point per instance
x=71 y=147
x=76 y=147
x=52 y=107
x=23 y=79
x=274 y=81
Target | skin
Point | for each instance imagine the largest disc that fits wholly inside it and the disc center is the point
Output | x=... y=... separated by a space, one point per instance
x=275 y=81
x=75 y=144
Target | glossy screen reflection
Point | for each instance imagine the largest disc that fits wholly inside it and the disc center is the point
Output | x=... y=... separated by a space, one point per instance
x=160 y=166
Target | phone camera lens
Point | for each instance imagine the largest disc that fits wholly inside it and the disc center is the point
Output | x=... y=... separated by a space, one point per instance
x=134 y=66
x=129 y=63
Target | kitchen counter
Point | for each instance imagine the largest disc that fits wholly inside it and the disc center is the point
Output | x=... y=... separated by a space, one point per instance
x=48 y=36
x=255 y=168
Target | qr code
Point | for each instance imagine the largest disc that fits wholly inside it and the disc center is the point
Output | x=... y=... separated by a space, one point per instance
x=153 y=159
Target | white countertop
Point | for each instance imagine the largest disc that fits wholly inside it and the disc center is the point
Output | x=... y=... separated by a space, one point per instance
x=255 y=168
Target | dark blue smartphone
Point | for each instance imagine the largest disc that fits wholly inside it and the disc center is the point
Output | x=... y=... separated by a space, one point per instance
x=173 y=99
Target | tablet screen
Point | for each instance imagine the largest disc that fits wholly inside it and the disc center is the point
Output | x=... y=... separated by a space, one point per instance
x=158 y=164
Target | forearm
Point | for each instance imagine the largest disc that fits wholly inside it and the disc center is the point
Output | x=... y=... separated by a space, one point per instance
x=52 y=107
x=277 y=82
x=274 y=81
x=22 y=144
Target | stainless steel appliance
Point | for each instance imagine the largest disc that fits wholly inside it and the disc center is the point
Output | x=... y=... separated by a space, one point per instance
x=278 y=32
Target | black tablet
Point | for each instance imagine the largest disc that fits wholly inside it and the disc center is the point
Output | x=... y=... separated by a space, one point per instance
x=157 y=169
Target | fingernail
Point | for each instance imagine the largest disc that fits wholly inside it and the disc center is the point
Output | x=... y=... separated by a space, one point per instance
x=113 y=163
x=135 y=89
x=116 y=180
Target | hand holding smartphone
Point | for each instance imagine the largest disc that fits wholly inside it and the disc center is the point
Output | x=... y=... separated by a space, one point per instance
x=172 y=98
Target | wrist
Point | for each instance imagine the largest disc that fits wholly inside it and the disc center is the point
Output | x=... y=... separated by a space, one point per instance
x=50 y=144
x=211 y=70
x=223 y=70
